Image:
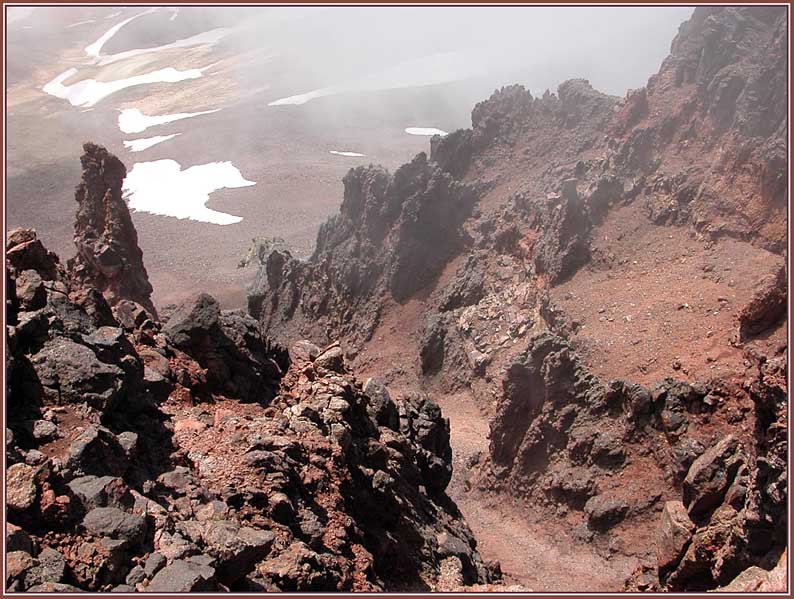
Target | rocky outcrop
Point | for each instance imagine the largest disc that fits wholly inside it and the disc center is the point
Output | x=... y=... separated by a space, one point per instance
x=729 y=532
x=713 y=130
x=702 y=146
x=192 y=454
x=108 y=257
x=766 y=309
x=561 y=437
x=229 y=346
x=393 y=235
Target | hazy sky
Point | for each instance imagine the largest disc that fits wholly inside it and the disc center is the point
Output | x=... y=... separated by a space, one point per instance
x=616 y=47
x=376 y=47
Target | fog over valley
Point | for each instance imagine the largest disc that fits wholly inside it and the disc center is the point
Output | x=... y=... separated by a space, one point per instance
x=290 y=98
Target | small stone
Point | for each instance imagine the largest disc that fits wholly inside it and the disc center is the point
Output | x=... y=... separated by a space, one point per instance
x=128 y=441
x=51 y=567
x=17 y=539
x=676 y=531
x=18 y=563
x=382 y=482
x=710 y=476
x=183 y=576
x=154 y=563
x=332 y=359
x=35 y=458
x=136 y=575
x=603 y=512
x=338 y=404
x=93 y=492
x=21 y=487
x=179 y=479
x=44 y=430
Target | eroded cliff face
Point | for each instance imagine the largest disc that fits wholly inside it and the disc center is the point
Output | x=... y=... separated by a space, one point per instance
x=191 y=453
x=709 y=130
x=610 y=294
x=392 y=236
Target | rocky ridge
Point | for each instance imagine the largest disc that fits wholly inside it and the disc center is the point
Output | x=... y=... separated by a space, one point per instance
x=188 y=452
x=679 y=473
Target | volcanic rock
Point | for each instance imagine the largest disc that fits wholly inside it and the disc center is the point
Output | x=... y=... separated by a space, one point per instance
x=108 y=257
x=112 y=522
x=676 y=532
x=710 y=476
x=183 y=576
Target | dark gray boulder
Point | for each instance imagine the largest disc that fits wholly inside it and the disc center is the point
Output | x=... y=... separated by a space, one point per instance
x=112 y=522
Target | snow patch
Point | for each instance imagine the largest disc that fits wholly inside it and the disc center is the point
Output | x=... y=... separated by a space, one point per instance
x=95 y=48
x=424 y=131
x=138 y=145
x=427 y=70
x=90 y=91
x=303 y=98
x=209 y=38
x=132 y=120
x=162 y=187
x=352 y=154
x=79 y=23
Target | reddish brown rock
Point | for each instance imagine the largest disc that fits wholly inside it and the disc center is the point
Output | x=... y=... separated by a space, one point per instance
x=676 y=532
x=108 y=257
x=767 y=307
x=758 y=580
x=24 y=251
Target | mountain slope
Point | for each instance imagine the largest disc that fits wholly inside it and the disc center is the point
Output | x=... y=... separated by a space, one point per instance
x=188 y=452
x=632 y=239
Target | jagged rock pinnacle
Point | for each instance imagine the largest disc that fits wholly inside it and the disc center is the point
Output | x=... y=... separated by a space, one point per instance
x=108 y=257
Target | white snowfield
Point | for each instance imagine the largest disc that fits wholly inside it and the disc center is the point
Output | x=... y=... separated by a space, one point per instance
x=351 y=154
x=132 y=120
x=95 y=48
x=424 y=131
x=90 y=91
x=162 y=187
x=138 y=145
x=208 y=38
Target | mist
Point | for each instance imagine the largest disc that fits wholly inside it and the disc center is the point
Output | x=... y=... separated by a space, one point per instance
x=289 y=97
x=344 y=49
